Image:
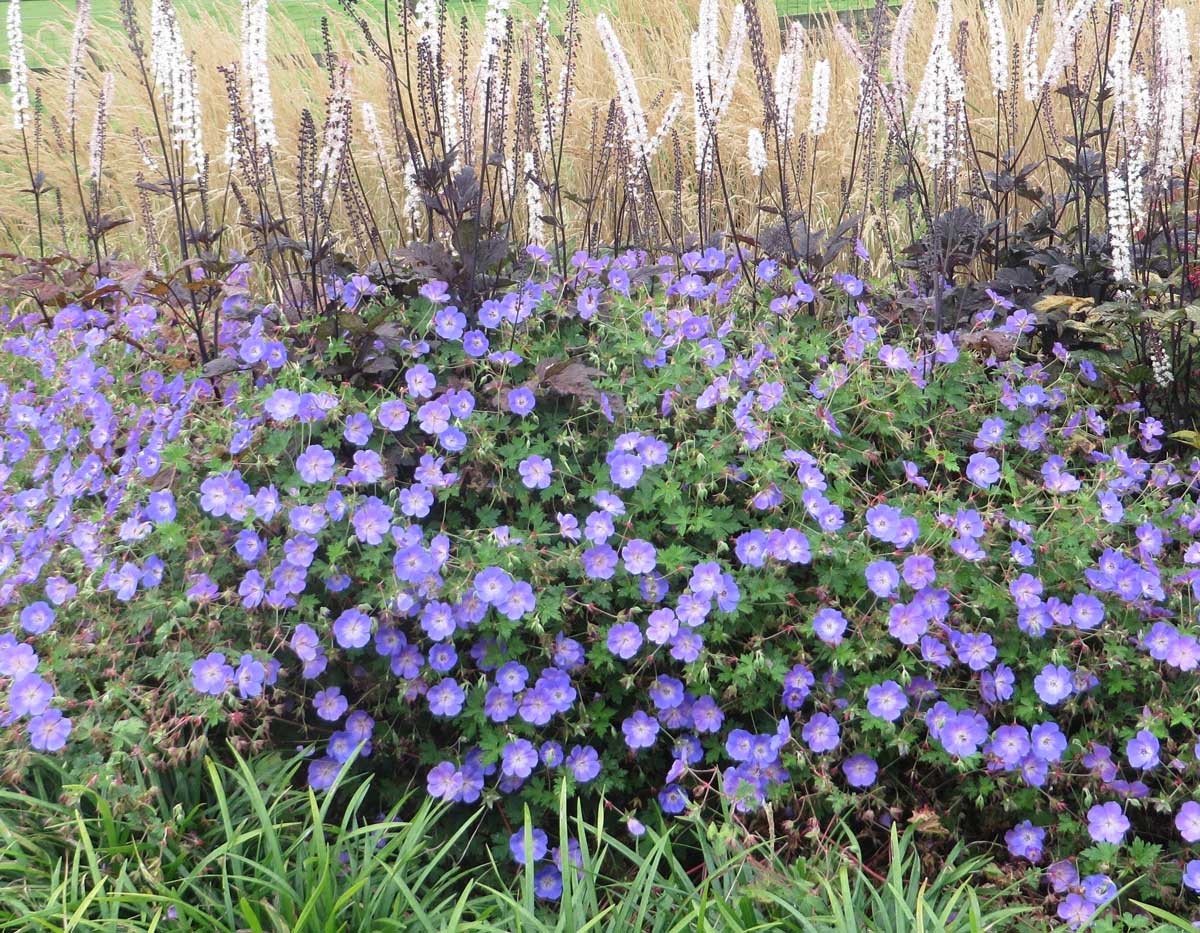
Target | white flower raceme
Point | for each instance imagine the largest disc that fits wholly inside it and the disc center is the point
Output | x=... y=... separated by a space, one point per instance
x=494 y=23
x=1141 y=104
x=412 y=196
x=255 y=66
x=1067 y=29
x=1139 y=148
x=898 y=52
x=1120 y=76
x=1174 y=75
x=788 y=77
x=233 y=145
x=818 y=115
x=189 y=114
x=938 y=110
x=336 y=133
x=533 y=203
x=997 y=46
x=1136 y=191
x=425 y=16
x=100 y=128
x=856 y=56
x=1160 y=361
x=714 y=74
x=371 y=130
x=449 y=112
x=756 y=152
x=941 y=38
x=83 y=23
x=549 y=117
x=933 y=114
x=1131 y=117
x=726 y=75
x=550 y=125
x=664 y=127
x=641 y=146
x=163 y=47
x=703 y=50
x=1059 y=16
x=637 y=132
x=174 y=73
x=1120 y=229
x=18 y=82
x=1031 y=81
x=143 y=146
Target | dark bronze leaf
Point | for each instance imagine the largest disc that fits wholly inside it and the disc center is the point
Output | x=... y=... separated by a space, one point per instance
x=571 y=379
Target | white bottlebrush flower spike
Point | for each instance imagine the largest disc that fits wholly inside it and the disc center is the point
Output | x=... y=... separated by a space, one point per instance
x=18 y=82
x=1172 y=83
x=1139 y=149
x=412 y=196
x=83 y=24
x=336 y=134
x=898 y=52
x=100 y=128
x=788 y=78
x=163 y=45
x=233 y=146
x=449 y=111
x=714 y=74
x=1130 y=115
x=1120 y=75
x=143 y=146
x=255 y=67
x=637 y=132
x=818 y=116
x=494 y=24
x=189 y=113
x=941 y=38
x=938 y=110
x=1120 y=229
x=997 y=46
x=669 y=116
x=425 y=17
x=1031 y=81
x=1067 y=29
x=533 y=203
x=370 y=120
x=174 y=73
x=756 y=152
x=857 y=58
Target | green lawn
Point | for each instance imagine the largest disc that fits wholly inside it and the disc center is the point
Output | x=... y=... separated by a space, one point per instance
x=47 y=23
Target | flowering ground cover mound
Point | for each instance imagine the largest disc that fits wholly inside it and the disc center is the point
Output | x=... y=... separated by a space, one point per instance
x=647 y=531
x=778 y=435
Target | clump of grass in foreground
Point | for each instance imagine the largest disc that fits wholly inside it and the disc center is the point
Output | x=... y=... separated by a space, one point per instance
x=252 y=852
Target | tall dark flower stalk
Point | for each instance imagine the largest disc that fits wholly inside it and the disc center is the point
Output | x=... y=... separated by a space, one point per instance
x=24 y=113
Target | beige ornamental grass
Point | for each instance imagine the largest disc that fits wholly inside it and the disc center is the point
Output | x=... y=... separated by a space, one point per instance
x=944 y=73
